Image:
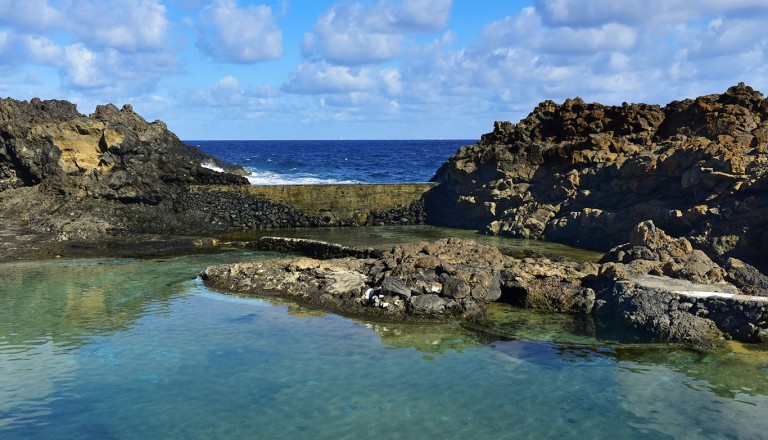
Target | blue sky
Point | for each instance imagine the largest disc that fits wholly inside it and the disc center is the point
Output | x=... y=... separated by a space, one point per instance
x=372 y=69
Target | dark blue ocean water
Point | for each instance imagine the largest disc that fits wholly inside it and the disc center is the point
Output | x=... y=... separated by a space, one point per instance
x=350 y=161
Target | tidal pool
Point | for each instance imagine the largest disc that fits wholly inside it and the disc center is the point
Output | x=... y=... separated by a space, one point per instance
x=140 y=349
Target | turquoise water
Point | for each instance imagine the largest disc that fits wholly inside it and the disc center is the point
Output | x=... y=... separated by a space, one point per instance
x=139 y=349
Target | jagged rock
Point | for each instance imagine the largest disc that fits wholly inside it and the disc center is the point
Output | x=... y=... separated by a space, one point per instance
x=113 y=154
x=450 y=279
x=746 y=277
x=651 y=251
x=586 y=174
x=656 y=284
x=654 y=312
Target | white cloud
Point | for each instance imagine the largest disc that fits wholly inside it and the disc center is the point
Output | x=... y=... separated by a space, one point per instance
x=590 y=13
x=111 y=49
x=608 y=37
x=359 y=33
x=587 y=13
x=409 y=16
x=322 y=78
x=80 y=64
x=101 y=72
x=127 y=25
x=31 y=14
x=227 y=92
x=230 y=33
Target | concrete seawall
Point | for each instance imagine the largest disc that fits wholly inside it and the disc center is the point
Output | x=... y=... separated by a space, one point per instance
x=317 y=205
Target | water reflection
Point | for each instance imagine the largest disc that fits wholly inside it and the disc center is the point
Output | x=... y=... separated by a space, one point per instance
x=93 y=346
x=50 y=310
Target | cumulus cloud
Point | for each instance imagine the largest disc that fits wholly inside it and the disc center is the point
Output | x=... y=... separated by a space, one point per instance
x=230 y=33
x=227 y=92
x=108 y=49
x=589 y=13
x=360 y=33
x=322 y=78
x=30 y=14
x=104 y=72
x=128 y=25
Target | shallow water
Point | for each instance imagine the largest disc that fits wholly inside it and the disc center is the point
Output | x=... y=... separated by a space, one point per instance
x=384 y=237
x=139 y=349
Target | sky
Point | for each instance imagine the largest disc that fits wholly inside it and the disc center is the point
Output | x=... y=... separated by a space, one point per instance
x=372 y=69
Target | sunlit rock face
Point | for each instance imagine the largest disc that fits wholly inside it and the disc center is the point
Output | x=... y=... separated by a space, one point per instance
x=586 y=173
x=111 y=154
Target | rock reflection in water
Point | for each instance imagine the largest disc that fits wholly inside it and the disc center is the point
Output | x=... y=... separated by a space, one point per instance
x=732 y=370
x=427 y=338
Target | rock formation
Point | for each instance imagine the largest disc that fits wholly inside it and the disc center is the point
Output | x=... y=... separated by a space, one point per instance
x=112 y=154
x=585 y=174
x=112 y=178
x=65 y=176
x=655 y=284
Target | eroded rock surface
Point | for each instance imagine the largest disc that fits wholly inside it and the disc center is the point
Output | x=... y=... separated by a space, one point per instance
x=656 y=284
x=449 y=279
x=585 y=174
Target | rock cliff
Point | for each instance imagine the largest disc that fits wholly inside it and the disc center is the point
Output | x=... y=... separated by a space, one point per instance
x=72 y=176
x=585 y=174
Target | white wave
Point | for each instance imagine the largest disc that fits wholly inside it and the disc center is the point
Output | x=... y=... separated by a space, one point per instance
x=211 y=166
x=270 y=178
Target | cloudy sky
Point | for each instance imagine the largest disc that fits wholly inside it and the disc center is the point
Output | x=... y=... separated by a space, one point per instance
x=372 y=69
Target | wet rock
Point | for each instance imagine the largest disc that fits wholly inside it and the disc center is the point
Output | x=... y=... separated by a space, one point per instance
x=651 y=311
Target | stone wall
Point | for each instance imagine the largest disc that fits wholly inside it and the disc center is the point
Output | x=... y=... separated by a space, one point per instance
x=264 y=207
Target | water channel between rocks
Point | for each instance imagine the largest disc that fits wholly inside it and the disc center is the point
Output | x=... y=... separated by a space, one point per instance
x=139 y=349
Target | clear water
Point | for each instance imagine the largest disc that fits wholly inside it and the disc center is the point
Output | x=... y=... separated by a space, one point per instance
x=138 y=349
x=342 y=161
x=384 y=237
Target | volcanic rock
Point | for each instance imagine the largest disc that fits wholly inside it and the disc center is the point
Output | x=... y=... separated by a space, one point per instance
x=585 y=174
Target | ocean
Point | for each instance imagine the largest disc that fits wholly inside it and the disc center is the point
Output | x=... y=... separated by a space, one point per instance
x=338 y=161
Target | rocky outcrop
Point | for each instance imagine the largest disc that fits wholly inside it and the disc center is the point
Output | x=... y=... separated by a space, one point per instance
x=112 y=154
x=66 y=176
x=585 y=174
x=450 y=279
x=657 y=285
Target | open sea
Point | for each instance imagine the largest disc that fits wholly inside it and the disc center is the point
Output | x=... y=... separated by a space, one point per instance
x=342 y=161
x=140 y=349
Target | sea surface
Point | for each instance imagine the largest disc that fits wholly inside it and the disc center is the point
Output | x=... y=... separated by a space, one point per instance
x=141 y=349
x=342 y=161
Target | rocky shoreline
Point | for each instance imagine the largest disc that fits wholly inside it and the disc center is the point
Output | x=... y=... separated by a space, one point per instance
x=655 y=284
x=585 y=173
x=687 y=183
